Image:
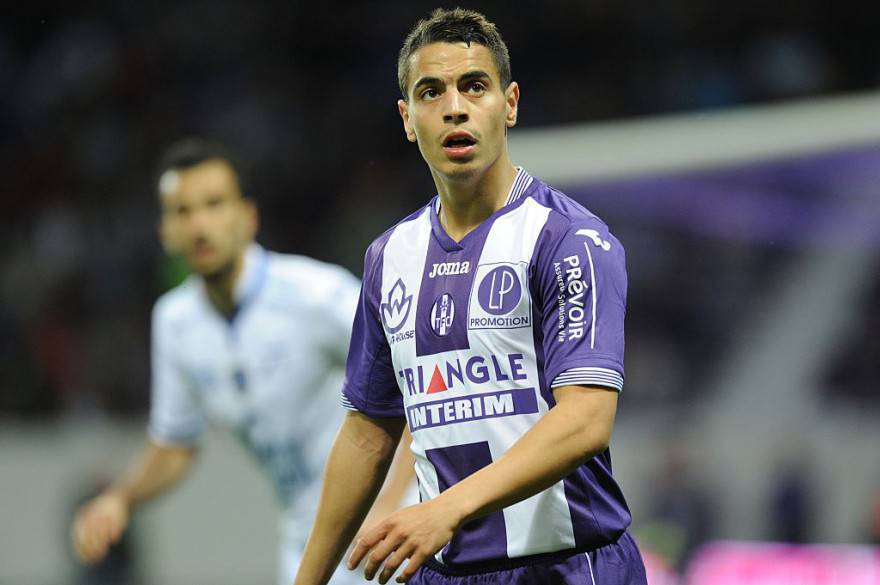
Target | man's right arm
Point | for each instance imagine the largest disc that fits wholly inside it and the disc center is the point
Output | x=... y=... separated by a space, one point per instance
x=355 y=470
x=101 y=522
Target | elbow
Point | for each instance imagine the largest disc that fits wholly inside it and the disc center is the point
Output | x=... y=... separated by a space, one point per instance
x=595 y=441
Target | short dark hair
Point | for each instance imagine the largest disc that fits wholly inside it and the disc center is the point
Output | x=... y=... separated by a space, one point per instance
x=454 y=26
x=193 y=151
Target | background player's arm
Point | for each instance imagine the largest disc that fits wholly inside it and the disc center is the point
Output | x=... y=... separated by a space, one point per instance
x=101 y=521
x=577 y=428
x=356 y=468
x=400 y=479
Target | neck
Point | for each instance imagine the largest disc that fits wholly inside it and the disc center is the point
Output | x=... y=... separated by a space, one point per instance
x=466 y=203
x=220 y=286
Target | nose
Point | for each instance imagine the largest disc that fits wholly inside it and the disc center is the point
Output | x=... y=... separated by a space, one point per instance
x=196 y=223
x=455 y=111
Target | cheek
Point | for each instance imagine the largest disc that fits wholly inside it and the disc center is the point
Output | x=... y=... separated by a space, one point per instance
x=237 y=229
x=171 y=238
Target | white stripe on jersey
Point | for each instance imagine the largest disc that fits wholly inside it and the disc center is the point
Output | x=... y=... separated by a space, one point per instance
x=593 y=289
x=513 y=238
x=346 y=403
x=520 y=184
x=589 y=377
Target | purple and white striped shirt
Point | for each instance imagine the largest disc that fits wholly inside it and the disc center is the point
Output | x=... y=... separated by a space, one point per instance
x=467 y=339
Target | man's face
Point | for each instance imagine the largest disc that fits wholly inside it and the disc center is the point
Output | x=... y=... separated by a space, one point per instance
x=205 y=219
x=457 y=110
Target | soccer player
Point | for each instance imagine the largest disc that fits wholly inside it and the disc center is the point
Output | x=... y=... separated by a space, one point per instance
x=251 y=341
x=491 y=322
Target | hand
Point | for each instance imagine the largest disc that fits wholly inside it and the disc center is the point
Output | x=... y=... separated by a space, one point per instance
x=99 y=524
x=383 y=508
x=413 y=533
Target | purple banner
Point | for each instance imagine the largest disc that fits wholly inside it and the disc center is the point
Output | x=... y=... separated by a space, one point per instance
x=472 y=407
x=831 y=197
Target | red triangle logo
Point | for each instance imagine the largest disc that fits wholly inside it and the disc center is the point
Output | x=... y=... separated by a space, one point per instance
x=437 y=384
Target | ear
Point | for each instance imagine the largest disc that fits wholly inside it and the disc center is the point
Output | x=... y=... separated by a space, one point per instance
x=512 y=98
x=403 y=108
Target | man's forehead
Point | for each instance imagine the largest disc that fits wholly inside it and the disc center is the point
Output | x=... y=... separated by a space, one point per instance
x=450 y=60
x=210 y=175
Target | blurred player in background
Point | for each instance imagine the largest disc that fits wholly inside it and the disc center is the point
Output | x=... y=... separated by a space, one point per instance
x=491 y=322
x=253 y=340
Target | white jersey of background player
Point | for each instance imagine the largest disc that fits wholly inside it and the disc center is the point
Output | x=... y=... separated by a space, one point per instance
x=253 y=341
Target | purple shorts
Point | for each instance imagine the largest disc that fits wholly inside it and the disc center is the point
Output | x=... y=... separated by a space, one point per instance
x=615 y=564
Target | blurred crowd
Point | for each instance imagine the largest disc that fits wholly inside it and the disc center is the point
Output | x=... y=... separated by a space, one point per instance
x=306 y=93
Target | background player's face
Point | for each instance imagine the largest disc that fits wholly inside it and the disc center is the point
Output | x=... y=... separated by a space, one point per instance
x=205 y=219
x=455 y=94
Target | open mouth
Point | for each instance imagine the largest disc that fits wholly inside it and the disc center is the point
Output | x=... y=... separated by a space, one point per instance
x=459 y=143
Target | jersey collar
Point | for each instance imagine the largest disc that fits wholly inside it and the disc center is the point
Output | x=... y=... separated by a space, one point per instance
x=253 y=274
x=521 y=183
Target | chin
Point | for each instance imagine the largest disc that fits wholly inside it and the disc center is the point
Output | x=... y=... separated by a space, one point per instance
x=207 y=269
x=459 y=171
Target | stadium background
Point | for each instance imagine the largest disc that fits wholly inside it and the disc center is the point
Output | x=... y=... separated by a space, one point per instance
x=720 y=142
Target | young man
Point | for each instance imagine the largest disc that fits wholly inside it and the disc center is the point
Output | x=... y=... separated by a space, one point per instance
x=491 y=322
x=251 y=340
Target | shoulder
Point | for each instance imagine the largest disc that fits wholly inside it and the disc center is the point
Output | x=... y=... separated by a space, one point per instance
x=567 y=218
x=294 y=268
x=178 y=307
x=377 y=247
x=314 y=278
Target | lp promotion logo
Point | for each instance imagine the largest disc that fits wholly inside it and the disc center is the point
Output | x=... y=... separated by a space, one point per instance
x=499 y=298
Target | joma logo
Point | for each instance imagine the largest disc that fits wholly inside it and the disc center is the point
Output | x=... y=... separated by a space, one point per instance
x=449 y=269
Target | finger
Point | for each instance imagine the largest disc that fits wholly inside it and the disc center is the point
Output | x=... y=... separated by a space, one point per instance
x=357 y=554
x=94 y=541
x=415 y=561
x=377 y=556
x=117 y=527
x=395 y=559
x=363 y=545
x=102 y=536
x=83 y=539
x=76 y=539
x=91 y=549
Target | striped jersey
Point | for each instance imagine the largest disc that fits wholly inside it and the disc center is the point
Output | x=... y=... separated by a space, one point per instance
x=467 y=340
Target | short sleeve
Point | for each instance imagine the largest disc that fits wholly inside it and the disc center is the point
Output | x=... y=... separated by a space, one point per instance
x=370 y=384
x=175 y=415
x=581 y=274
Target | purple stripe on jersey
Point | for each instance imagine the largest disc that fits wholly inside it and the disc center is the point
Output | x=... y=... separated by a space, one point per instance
x=441 y=312
x=544 y=248
x=370 y=382
x=485 y=537
x=438 y=413
x=599 y=513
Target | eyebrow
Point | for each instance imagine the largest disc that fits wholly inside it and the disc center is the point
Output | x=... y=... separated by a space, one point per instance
x=427 y=81
x=467 y=76
x=474 y=74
